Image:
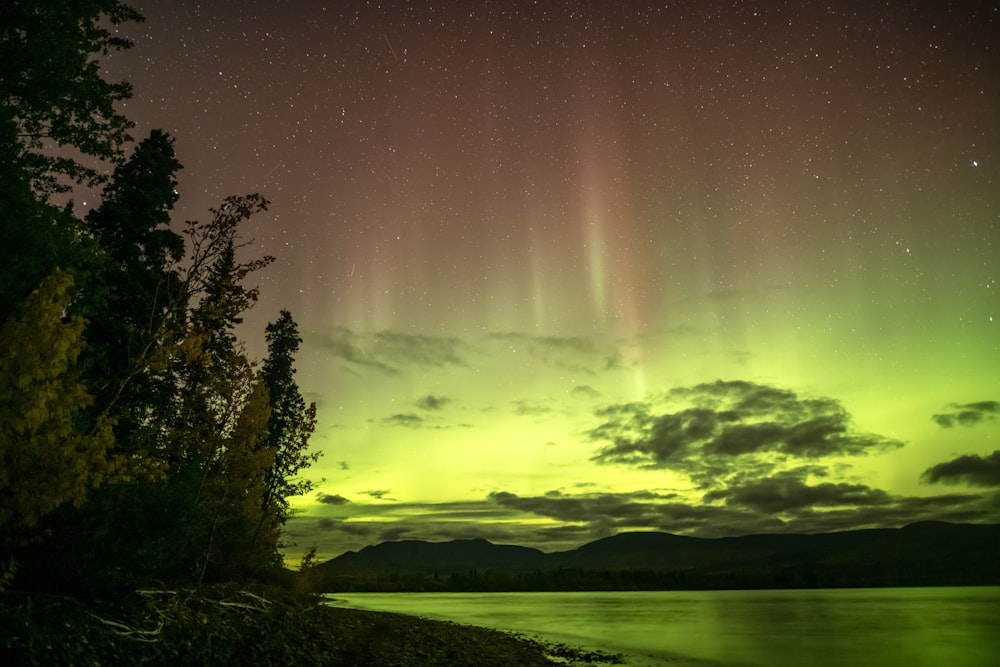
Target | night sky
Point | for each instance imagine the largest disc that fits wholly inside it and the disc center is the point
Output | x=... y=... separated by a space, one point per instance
x=565 y=269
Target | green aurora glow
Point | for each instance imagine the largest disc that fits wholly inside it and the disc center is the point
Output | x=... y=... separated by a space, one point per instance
x=519 y=233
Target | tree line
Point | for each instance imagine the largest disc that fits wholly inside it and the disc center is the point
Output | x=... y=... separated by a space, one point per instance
x=763 y=576
x=139 y=441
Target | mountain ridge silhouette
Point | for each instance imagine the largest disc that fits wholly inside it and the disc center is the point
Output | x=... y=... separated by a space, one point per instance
x=924 y=553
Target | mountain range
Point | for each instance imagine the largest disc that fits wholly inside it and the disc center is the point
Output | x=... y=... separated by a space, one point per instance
x=926 y=553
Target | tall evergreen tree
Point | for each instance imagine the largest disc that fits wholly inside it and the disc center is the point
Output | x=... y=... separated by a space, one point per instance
x=134 y=297
x=291 y=424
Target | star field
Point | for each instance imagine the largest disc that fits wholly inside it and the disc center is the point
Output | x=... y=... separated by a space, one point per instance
x=499 y=224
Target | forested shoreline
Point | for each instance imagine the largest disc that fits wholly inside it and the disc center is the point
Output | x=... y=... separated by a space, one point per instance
x=139 y=440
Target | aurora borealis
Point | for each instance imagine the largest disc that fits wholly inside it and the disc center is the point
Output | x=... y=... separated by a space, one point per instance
x=565 y=269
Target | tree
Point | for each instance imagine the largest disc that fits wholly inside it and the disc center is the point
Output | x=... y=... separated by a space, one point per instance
x=134 y=296
x=132 y=221
x=56 y=112
x=52 y=94
x=291 y=424
x=197 y=410
x=54 y=108
x=132 y=344
x=37 y=240
x=209 y=355
x=233 y=493
x=46 y=460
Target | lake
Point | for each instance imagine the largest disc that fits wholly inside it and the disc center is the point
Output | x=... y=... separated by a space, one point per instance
x=883 y=627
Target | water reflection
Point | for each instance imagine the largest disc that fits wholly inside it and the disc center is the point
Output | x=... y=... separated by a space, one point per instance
x=826 y=628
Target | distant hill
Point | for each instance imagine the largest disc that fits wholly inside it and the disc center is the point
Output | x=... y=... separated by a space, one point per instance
x=417 y=556
x=922 y=554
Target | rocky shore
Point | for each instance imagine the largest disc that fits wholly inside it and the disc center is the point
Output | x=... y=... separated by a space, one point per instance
x=228 y=626
x=379 y=638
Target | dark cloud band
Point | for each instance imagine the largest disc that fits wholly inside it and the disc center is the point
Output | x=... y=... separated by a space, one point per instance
x=971 y=469
x=724 y=422
x=968 y=414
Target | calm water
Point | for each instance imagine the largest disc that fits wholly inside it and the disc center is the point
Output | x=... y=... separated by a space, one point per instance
x=912 y=627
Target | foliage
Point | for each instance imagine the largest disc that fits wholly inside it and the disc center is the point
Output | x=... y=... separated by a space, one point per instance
x=133 y=296
x=46 y=461
x=38 y=239
x=7 y=572
x=198 y=412
x=221 y=410
x=52 y=93
x=309 y=577
x=290 y=426
x=135 y=432
x=58 y=122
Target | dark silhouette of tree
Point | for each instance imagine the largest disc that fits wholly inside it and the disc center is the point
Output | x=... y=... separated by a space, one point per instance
x=203 y=497
x=54 y=106
x=135 y=433
x=288 y=431
x=52 y=94
x=216 y=279
x=220 y=409
x=133 y=295
x=37 y=240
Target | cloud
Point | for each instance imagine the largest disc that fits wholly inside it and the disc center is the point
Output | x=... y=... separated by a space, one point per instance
x=968 y=414
x=756 y=458
x=785 y=505
x=396 y=353
x=971 y=469
x=578 y=354
x=527 y=408
x=334 y=499
x=546 y=346
x=431 y=402
x=718 y=428
x=956 y=508
x=359 y=530
x=606 y=513
x=566 y=518
x=393 y=533
x=349 y=346
x=584 y=391
x=408 y=420
x=364 y=523
x=419 y=349
x=785 y=492
x=390 y=352
x=415 y=421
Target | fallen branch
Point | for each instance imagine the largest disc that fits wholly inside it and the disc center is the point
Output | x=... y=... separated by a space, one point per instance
x=137 y=634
